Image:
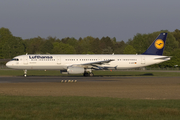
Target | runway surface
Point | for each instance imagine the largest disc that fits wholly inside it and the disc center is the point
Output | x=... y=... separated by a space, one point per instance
x=59 y=79
x=79 y=79
x=56 y=79
x=120 y=87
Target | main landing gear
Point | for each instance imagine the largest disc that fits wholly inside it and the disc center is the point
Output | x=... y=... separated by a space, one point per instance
x=25 y=73
x=88 y=74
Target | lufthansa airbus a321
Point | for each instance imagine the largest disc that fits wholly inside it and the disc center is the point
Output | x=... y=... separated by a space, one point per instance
x=85 y=64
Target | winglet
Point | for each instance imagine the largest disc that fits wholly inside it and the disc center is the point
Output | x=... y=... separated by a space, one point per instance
x=157 y=47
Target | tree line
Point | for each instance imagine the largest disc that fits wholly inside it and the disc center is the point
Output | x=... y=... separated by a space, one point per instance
x=11 y=46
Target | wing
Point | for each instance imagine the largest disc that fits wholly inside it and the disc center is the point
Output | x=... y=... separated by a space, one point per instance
x=93 y=65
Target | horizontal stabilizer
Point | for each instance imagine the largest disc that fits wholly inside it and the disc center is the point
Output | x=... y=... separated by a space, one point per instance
x=163 y=58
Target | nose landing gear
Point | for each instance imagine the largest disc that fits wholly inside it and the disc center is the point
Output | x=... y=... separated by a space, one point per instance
x=25 y=73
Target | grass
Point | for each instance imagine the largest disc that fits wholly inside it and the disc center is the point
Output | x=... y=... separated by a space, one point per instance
x=92 y=108
x=87 y=108
x=11 y=72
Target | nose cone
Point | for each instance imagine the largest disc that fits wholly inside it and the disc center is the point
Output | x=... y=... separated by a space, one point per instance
x=8 y=64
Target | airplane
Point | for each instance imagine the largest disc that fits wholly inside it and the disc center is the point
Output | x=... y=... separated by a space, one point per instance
x=85 y=64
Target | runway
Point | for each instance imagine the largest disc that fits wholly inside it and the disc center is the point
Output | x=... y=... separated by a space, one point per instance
x=119 y=87
x=31 y=79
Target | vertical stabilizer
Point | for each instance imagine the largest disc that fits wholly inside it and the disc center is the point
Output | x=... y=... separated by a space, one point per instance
x=157 y=47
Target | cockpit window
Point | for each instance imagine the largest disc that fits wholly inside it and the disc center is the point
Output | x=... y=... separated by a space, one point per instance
x=15 y=59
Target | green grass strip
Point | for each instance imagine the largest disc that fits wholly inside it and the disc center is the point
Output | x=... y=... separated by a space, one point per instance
x=86 y=108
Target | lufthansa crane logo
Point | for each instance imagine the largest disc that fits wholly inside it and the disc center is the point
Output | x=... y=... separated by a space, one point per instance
x=159 y=44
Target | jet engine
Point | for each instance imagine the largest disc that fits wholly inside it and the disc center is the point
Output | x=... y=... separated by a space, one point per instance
x=75 y=70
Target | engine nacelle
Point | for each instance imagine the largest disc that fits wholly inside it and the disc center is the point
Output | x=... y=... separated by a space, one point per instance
x=75 y=70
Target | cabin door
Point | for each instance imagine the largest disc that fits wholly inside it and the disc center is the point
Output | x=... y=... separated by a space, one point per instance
x=143 y=60
x=58 y=60
x=25 y=59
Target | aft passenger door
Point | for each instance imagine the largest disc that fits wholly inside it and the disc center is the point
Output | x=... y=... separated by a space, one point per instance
x=143 y=60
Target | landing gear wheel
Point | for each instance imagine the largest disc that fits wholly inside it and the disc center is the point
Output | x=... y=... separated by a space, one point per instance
x=91 y=74
x=25 y=73
x=86 y=74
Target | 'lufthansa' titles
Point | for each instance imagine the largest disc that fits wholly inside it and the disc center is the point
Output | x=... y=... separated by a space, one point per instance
x=159 y=44
x=40 y=57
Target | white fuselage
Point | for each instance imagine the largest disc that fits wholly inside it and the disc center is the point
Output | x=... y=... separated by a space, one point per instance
x=62 y=62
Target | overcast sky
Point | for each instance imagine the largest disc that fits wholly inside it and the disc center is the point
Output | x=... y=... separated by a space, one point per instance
x=81 y=18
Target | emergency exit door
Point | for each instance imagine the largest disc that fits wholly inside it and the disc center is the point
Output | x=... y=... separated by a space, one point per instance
x=58 y=60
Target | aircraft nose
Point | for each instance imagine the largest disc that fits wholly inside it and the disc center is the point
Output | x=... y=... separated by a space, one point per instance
x=8 y=64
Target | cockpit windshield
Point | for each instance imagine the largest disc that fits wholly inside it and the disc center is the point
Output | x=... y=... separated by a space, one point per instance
x=15 y=59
